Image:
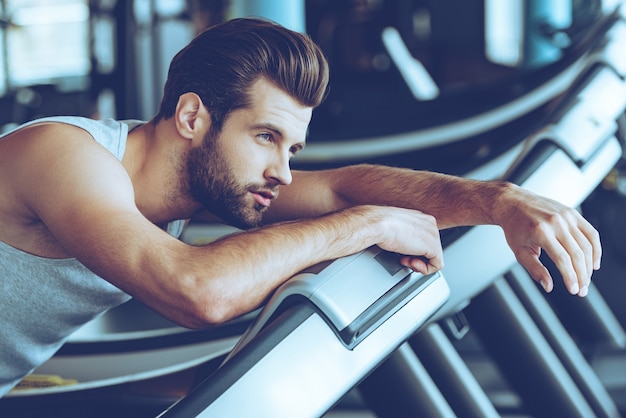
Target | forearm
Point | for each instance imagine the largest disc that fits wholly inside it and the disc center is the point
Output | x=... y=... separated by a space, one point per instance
x=532 y=224
x=453 y=201
x=236 y=274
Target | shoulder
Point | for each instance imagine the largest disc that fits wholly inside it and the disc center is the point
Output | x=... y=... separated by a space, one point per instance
x=53 y=159
x=109 y=133
x=52 y=172
x=51 y=138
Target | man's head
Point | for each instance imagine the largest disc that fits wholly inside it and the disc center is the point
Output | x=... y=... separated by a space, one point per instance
x=236 y=173
x=221 y=64
x=253 y=85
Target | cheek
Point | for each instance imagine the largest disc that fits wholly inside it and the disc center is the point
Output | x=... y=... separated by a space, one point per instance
x=249 y=164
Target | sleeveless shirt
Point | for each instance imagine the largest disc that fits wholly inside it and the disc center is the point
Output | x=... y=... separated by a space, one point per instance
x=42 y=300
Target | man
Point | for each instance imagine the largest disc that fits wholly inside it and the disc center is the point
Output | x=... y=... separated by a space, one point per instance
x=84 y=204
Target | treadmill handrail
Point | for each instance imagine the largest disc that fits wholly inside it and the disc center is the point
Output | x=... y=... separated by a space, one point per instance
x=351 y=316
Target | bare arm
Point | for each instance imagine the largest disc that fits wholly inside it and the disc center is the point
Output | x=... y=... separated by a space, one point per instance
x=195 y=286
x=531 y=223
x=93 y=217
x=318 y=192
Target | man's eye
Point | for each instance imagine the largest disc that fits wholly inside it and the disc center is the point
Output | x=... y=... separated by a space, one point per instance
x=265 y=137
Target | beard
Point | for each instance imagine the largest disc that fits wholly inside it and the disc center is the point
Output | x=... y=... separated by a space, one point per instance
x=212 y=183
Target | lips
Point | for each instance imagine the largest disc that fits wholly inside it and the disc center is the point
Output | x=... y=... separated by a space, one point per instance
x=264 y=197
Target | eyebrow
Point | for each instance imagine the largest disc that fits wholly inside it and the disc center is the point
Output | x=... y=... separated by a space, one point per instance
x=269 y=126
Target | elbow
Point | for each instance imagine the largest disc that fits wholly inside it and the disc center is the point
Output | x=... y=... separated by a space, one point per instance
x=214 y=315
x=205 y=307
x=204 y=313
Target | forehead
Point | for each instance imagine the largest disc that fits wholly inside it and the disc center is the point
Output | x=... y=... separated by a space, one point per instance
x=271 y=104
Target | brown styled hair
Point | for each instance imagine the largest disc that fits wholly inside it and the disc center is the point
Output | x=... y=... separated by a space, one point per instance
x=221 y=63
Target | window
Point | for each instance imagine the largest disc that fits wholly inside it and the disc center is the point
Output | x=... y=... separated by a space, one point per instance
x=43 y=42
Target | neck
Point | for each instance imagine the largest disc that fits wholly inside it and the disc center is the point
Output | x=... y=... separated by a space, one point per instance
x=154 y=158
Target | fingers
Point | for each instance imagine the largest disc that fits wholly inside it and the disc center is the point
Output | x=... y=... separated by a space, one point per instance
x=570 y=261
x=422 y=264
x=415 y=235
x=576 y=253
x=529 y=258
x=583 y=265
x=574 y=247
x=593 y=237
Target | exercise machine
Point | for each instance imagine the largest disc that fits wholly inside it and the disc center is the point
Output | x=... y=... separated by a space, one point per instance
x=321 y=333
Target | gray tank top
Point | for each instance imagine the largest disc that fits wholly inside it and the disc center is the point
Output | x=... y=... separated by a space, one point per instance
x=43 y=301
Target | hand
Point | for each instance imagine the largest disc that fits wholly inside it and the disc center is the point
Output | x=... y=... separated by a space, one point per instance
x=414 y=234
x=532 y=223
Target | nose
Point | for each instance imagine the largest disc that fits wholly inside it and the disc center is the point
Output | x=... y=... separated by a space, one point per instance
x=279 y=170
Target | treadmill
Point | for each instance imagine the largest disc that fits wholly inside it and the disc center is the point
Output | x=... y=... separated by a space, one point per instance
x=567 y=150
x=320 y=334
x=557 y=130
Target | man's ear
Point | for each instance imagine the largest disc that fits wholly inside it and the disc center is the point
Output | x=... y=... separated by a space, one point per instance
x=192 y=118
